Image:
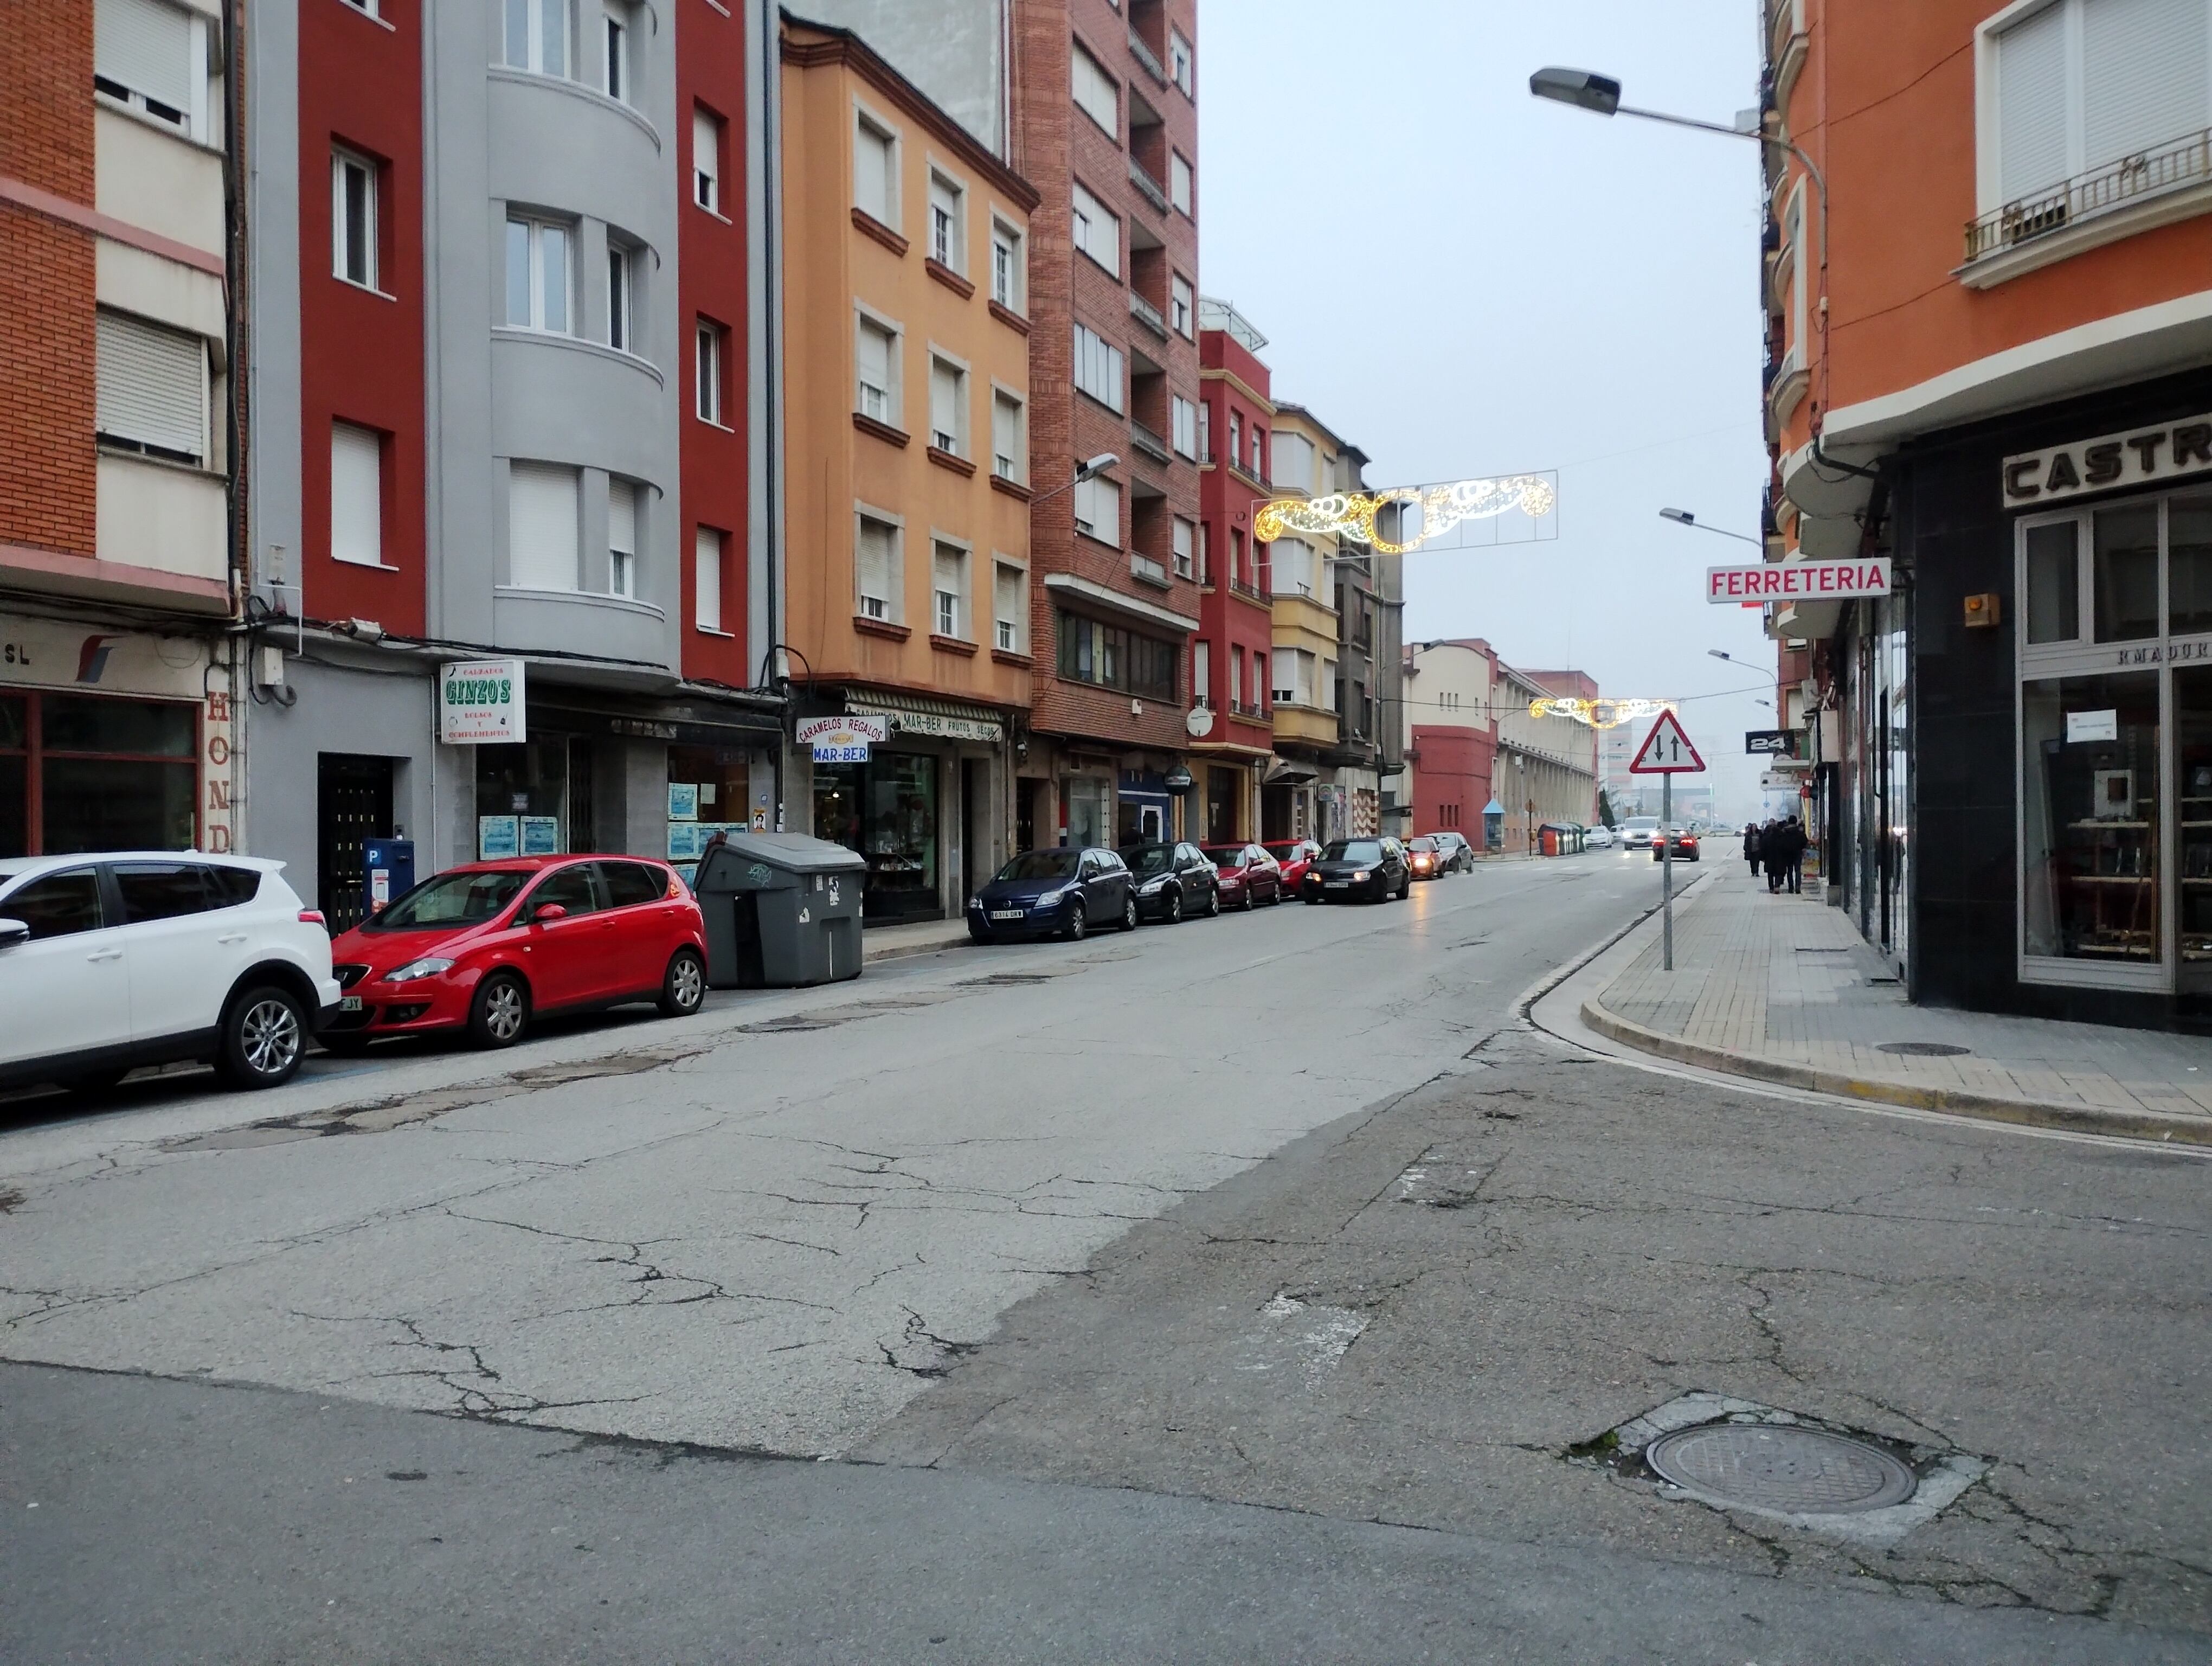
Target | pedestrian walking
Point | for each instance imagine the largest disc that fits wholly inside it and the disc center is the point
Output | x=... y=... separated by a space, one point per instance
x=1794 y=856
x=1771 y=841
x=1751 y=847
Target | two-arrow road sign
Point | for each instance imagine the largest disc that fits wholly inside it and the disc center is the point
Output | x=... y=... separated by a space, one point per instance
x=1667 y=752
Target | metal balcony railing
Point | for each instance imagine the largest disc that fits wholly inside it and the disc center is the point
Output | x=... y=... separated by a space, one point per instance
x=2184 y=162
x=1154 y=192
x=1145 y=56
x=1149 y=442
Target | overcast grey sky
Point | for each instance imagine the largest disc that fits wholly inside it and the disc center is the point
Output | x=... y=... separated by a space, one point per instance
x=1462 y=281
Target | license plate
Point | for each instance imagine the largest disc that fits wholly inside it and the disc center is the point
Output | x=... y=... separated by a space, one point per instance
x=1336 y=884
x=349 y=1004
x=1006 y=914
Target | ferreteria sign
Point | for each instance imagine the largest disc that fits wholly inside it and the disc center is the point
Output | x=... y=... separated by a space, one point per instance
x=1797 y=582
x=2143 y=457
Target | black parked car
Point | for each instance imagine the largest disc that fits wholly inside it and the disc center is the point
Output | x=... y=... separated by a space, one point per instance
x=1172 y=880
x=1348 y=869
x=1060 y=892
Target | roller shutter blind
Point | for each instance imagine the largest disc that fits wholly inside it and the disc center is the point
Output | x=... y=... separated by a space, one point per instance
x=153 y=386
x=356 y=495
x=944 y=406
x=146 y=47
x=2144 y=76
x=706 y=578
x=876 y=563
x=542 y=534
x=1007 y=606
x=2031 y=147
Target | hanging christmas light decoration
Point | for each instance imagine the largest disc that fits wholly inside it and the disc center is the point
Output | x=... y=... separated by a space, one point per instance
x=1352 y=514
x=1600 y=714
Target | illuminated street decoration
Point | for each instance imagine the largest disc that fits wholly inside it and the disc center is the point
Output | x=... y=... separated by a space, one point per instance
x=1600 y=714
x=1352 y=514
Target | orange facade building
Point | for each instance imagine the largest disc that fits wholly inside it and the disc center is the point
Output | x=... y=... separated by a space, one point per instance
x=1988 y=348
x=908 y=517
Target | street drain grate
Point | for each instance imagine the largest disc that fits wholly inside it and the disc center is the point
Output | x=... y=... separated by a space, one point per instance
x=1923 y=1050
x=1793 y=1469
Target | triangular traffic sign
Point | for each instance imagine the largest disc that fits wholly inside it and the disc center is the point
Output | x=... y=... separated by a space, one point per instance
x=1667 y=750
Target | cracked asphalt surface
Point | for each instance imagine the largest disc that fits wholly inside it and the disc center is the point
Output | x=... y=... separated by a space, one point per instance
x=1239 y=1290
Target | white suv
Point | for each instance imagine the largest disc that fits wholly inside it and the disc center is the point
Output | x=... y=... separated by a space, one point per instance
x=133 y=958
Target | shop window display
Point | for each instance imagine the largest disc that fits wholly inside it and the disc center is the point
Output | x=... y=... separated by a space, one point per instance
x=2090 y=821
x=85 y=772
x=887 y=810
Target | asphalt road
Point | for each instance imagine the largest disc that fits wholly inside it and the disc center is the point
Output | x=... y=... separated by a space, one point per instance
x=1249 y=1289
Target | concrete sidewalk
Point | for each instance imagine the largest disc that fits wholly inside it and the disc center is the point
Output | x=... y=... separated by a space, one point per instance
x=1784 y=989
x=922 y=937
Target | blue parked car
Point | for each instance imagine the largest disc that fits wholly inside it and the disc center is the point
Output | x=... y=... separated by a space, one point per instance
x=1061 y=892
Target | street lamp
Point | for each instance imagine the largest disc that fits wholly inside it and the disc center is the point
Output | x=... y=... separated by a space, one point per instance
x=1684 y=518
x=1601 y=96
x=1089 y=469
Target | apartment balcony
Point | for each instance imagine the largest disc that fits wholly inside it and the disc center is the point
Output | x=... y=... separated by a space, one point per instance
x=1308 y=726
x=162 y=536
x=1787 y=43
x=2150 y=188
x=1250 y=480
x=1145 y=56
x=1145 y=570
x=1148 y=315
x=159 y=181
x=1152 y=190
x=1149 y=442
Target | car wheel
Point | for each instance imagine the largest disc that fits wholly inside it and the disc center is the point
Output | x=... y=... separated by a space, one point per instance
x=500 y=1011
x=1175 y=907
x=1214 y=903
x=90 y=1084
x=684 y=987
x=1128 y=911
x=1405 y=888
x=1079 y=923
x=263 y=1039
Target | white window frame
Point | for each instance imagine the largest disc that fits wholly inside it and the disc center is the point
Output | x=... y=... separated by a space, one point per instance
x=960 y=625
x=1103 y=88
x=1092 y=226
x=866 y=120
x=360 y=543
x=617 y=69
x=1010 y=461
x=1097 y=359
x=948 y=241
x=1096 y=498
x=709 y=131
x=529 y=54
x=894 y=397
x=1205 y=434
x=1183 y=63
x=707 y=354
x=1185 y=534
x=710 y=555
x=622 y=542
x=534 y=227
x=192 y=116
x=345 y=167
x=621 y=297
x=140 y=406
x=1183 y=425
x=1182 y=184
x=1010 y=634
x=1183 y=306
x=1201 y=673
x=957 y=435
x=1009 y=276
x=893 y=605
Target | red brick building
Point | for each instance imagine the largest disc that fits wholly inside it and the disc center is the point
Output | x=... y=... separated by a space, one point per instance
x=1105 y=126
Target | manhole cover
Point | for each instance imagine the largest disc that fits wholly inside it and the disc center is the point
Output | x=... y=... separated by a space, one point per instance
x=1763 y=1466
x=1923 y=1050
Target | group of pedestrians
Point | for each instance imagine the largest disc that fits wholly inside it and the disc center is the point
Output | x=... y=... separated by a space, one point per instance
x=1779 y=848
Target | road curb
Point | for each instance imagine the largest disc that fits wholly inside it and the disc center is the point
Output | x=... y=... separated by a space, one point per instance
x=2147 y=1125
x=902 y=951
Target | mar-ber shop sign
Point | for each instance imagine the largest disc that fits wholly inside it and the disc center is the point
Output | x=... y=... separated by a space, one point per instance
x=1797 y=582
x=2134 y=458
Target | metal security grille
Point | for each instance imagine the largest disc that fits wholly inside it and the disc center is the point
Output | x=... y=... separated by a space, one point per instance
x=353 y=805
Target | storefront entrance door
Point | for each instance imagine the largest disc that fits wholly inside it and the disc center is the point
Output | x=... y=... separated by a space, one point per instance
x=353 y=805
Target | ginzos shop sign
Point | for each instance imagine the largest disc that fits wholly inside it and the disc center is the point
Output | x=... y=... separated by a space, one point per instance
x=2140 y=457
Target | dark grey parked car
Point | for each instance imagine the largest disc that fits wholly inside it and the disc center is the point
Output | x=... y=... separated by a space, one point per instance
x=1063 y=891
x=1349 y=869
x=1173 y=881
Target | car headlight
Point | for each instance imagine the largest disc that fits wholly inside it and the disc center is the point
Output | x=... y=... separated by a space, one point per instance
x=1360 y=876
x=1052 y=897
x=975 y=902
x=428 y=966
x=1152 y=887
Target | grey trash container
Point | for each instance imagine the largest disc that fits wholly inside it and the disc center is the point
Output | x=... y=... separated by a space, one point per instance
x=783 y=910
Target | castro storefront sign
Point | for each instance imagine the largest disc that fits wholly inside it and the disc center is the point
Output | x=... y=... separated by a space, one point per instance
x=843 y=739
x=1797 y=582
x=480 y=703
x=2140 y=458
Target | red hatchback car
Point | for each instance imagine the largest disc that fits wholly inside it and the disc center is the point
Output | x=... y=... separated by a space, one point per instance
x=488 y=946
x=1247 y=873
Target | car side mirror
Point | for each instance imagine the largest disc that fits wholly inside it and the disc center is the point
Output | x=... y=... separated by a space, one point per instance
x=14 y=933
x=546 y=911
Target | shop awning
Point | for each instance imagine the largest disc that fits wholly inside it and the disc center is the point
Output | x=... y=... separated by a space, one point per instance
x=935 y=720
x=1288 y=772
